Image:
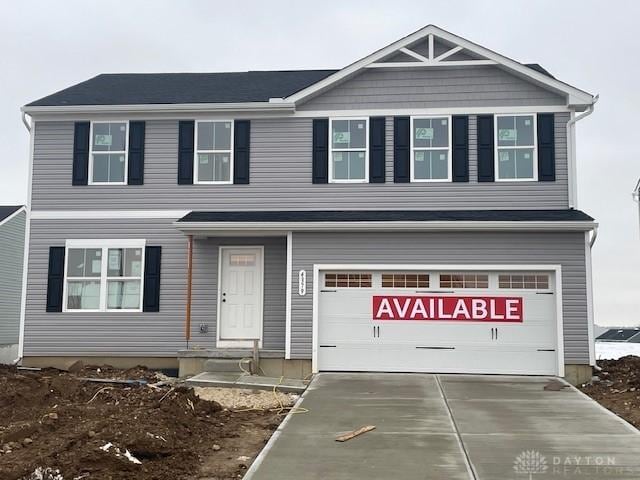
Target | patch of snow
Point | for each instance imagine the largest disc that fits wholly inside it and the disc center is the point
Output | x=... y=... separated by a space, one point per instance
x=615 y=350
x=131 y=458
x=45 y=474
x=118 y=453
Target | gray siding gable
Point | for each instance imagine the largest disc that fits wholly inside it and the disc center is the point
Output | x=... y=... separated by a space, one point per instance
x=439 y=87
x=12 y=234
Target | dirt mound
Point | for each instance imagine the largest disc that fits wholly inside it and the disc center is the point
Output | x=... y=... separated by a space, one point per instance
x=618 y=387
x=55 y=424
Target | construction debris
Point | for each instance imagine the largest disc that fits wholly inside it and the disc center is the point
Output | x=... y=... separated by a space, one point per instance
x=355 y=433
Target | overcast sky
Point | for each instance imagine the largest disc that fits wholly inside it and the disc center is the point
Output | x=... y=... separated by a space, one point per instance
x=47 y=46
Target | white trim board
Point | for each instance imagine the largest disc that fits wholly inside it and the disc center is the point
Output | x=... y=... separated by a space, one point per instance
x=289 y=279
x=13 y=215
x=105 y=214
x=557 y=269
x=209 y=228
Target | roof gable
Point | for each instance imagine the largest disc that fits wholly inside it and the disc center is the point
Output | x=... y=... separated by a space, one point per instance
x=433 y=47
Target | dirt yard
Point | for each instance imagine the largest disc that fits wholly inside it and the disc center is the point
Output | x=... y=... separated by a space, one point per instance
x=618 y=388
x=56 y=426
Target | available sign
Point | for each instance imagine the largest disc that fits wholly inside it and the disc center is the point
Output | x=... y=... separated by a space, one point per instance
x=440 y=308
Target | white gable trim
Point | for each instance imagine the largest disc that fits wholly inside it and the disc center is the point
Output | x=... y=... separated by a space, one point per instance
x=574 y=95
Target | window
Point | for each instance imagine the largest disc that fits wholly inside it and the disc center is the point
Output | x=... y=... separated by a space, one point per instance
x=104 y=277
x=405 y=280
x=349 y=150
x=242 y=260
x=108 y=155
x=431 y=149
x=466 y=280
x=526 y=281
x=214 y=151
x=516 y=147
x=349 y=280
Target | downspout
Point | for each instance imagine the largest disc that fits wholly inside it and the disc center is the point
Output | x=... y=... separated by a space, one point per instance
x=573 y=180
x=27 y=230
x=636 y=197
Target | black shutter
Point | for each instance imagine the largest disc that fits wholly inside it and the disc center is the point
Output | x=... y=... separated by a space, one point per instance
x=55 y=279
x=185 y=152
x=151 y=297
x=135 y=174
x=80 y=174
x=546 y=148
x=376 y=149
x=241 y=141
x=401 y=146
x=485 y=149
x=460 y=148
x=320 y=150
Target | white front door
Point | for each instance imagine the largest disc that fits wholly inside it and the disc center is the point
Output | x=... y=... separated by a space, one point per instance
x=240 y=296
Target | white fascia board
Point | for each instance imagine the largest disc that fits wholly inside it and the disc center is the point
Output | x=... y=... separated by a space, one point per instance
x=204 y=228
x=574 y=95
x=106 y=214
x=282 y=107
x=13 y=215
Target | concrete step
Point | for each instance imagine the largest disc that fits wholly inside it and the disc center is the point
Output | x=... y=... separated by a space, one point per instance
x=227 y=365
x=254 y=382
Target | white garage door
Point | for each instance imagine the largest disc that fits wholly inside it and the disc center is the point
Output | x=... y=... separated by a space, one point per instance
x=501 y=322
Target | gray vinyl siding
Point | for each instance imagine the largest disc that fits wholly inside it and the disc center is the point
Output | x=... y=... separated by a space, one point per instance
x=442 y=87
x=280 y=177
x=565 y=249
x=145 y=334
x=11 y=263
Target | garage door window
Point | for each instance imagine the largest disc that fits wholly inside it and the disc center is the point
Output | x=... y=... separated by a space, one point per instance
x=527 y=281
x=347 y=280
x=405 y=280
x=464 y=280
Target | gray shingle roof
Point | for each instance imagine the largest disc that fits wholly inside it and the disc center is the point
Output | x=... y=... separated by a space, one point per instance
x=388 y=216
x=176 y=88
x=6 y=210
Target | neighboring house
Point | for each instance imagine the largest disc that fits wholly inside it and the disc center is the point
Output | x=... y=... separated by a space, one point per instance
x=629 y=335
x=12 y=235
x=414 y=211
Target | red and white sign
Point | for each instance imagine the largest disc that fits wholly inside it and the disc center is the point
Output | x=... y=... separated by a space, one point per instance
x=439 y=308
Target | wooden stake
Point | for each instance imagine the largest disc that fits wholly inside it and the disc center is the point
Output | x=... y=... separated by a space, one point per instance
x=355 y=433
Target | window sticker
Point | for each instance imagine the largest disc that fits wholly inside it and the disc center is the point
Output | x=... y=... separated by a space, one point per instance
x=443 y=121
x=424 y=133
x=225 y=159
x=507 y=134
x=504 y=156
x=527 y=122
x=360 y=126
x=103 y=140
x=121 y=159
x=360 y=155
x=341 y=137
x=122 y=128
x=96 y=266
x=527 y=156
x=204 y=160
x=114 y=259
x=442 y=156
x=136 y=268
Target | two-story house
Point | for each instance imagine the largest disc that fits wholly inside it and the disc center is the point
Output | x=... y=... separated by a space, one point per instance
x=414 y=211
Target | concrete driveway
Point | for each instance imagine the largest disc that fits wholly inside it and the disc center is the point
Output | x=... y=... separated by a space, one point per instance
x=448 y=427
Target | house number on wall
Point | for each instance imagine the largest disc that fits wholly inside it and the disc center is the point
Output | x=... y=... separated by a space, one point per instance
x=302 y=283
